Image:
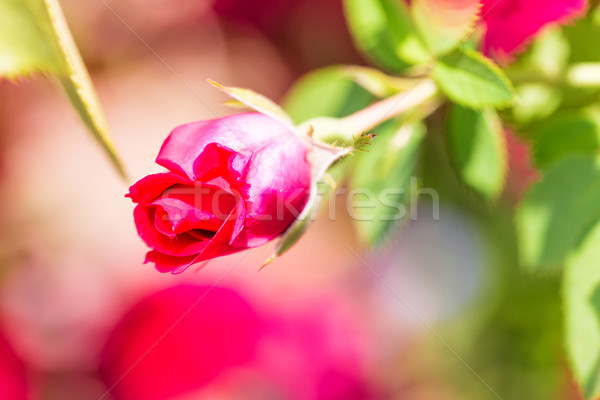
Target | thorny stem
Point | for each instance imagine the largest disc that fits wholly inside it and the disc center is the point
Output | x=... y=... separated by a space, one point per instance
x=385 y=109
x=346 y=129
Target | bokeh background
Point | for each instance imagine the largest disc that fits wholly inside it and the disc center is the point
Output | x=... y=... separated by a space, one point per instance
x=441 y=311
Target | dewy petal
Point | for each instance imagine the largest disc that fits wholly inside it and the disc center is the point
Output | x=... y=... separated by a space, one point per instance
x=511 y=24
x=237 y=132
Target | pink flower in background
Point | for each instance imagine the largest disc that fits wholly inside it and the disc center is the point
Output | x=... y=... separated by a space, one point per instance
x=203 y=340
x=521 y=170
x=233 y=183
x=13 y=378
x=209 y=343
x=511 y=24
x=317 y=351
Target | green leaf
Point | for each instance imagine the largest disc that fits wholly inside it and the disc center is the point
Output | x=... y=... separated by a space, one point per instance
x=566 y=134
x=558 y=211
x=34 y=37
x=255 y=101
x=565 y=62
x=544 y=61
x=27 y=39
x=325 y=92
x=378 y=83
x=472 y=80
x=582 y=49
x=581 y=294
x=381 y=182
x=383 y=30
x=535 y=102
x=549 y=54
x=477 y=148
x=444 y=24
x=582 y=52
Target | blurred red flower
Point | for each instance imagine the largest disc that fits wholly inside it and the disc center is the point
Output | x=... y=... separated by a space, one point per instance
x=178 y=340
x=511 y=24
x=203 y=340
x=13 y=376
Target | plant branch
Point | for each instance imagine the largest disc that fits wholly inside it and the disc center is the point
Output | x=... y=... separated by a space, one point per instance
x=327 y=129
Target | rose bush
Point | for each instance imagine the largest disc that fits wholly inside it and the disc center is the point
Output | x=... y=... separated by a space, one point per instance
x=233 y=183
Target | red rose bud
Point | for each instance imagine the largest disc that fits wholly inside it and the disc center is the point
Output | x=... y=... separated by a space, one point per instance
x=233 y=183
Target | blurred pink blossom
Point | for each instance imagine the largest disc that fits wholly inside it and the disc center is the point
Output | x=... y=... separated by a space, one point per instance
x=511 y=24
x=205 y=332
x=208 y=341
x=316 y=351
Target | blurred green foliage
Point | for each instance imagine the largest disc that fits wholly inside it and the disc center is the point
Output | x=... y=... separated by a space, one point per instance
x=558 y=212
x=384 y=31
x=384 y=175
x=511 y=336
x=326 y=92
x=472 y=80
x=34 y=38
x=581 y=291
x=477 y=148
